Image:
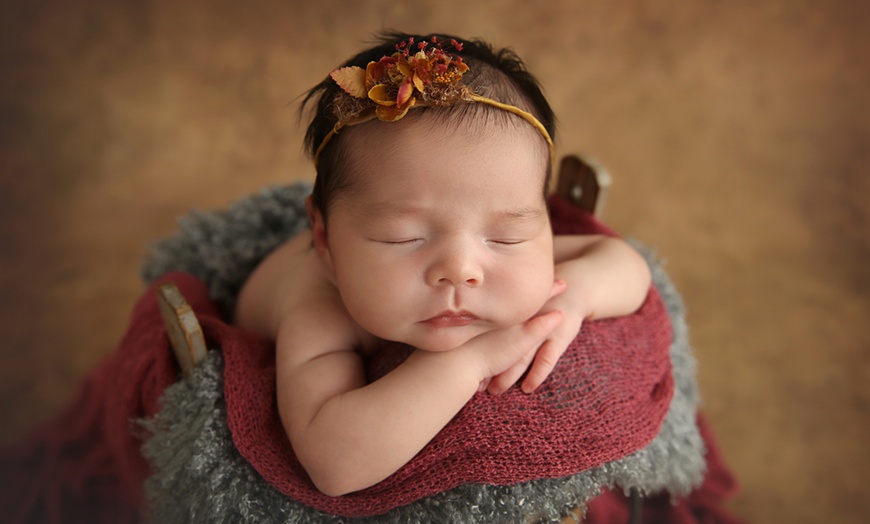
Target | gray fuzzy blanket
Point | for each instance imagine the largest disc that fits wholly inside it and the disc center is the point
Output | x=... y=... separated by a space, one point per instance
x=199 y=475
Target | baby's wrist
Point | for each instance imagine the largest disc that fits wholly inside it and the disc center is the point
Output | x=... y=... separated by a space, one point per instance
x=572 y=302
x=461 y=364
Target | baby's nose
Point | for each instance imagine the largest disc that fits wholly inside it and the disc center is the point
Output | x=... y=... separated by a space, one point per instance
x=457 y=266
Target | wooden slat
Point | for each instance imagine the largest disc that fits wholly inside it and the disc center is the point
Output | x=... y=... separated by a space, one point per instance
x=584 y=183
x=185 y=333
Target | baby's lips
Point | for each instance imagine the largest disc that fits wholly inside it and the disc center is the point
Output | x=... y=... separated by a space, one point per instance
x=452 y=319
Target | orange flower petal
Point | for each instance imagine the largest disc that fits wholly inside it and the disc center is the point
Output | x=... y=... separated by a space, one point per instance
x=404 y=68
x=380 y=95
x=392 y=113
x=406 y=90
x=372 y=74
x=418 y=83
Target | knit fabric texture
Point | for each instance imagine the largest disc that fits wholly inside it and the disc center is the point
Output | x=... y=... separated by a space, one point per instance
x=618 y=411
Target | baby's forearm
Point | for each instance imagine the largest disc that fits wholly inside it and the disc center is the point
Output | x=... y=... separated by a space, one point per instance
x=360 y=437
x=606 y=277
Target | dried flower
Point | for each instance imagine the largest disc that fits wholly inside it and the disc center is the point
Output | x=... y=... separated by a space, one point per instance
x=398 y=82
x=388 y=88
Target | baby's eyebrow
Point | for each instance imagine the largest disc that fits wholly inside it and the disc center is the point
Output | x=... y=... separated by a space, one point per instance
x=522 y=213
x=393 y=210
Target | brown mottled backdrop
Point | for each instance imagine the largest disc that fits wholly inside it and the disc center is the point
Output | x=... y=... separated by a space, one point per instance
x=738 y=134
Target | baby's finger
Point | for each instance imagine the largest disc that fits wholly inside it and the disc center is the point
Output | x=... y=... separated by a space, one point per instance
x=501 y=383
x=541 y=325
x=559 y=287
x=545 y=360
x=501 y=349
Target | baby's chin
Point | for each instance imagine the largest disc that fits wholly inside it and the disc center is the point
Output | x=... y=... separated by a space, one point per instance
x=448 y=339
x=442 y=342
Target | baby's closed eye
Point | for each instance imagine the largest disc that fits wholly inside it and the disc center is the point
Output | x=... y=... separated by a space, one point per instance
x=402 y=242
x=507 y=241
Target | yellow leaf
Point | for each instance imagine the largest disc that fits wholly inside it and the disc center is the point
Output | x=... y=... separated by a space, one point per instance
x=352 y=80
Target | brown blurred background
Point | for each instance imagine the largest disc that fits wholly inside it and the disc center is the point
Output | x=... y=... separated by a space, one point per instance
x=738 y=134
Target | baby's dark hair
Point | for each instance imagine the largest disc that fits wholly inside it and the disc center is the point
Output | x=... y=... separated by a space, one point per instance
x=496 y=74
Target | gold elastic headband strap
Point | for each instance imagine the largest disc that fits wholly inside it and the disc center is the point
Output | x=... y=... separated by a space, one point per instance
x=334 y=131
x=525 y=115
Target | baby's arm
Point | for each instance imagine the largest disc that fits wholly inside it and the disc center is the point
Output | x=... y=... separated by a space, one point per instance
x=349 y=435
x=605 y=278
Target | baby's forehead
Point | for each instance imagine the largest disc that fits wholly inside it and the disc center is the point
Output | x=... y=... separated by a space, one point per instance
x=429 y=133
x=396 y=165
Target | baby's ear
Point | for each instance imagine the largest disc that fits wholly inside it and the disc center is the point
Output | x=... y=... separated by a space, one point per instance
x=310 y=209
x=318 y=231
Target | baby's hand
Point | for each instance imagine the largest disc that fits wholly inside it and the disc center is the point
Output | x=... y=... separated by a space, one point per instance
x=496 y=351
x=548 y=354
x=552 y=350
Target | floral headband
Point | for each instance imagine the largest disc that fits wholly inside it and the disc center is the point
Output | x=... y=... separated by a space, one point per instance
x=389 y=88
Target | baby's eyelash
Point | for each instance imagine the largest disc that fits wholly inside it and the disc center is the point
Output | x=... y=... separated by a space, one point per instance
x=507 y=242
x=400 y=242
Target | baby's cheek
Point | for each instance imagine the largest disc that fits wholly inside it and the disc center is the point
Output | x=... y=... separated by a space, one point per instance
x=533 y=291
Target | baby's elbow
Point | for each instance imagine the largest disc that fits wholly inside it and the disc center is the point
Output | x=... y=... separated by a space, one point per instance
x=337 y=483
x=644 y=272
x=331 y=486
x=639 y=277
x=334 y=478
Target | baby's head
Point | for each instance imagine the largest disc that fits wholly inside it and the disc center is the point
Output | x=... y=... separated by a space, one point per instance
x=498 y=75
x=434 y=224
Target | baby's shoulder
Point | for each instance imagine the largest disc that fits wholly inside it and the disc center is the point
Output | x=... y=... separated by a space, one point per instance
x=286 y=278
x=315 y=321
